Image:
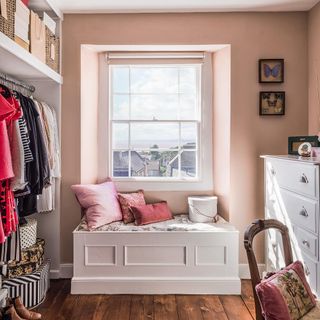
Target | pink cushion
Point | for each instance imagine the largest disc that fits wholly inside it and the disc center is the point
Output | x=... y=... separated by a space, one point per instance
x=286 y=295
x=150 y=213
x=100 y=201
x=128 y=200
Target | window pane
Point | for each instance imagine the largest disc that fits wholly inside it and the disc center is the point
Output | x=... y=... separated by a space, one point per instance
x=120 y=107
x=163 y=135
x=188 y=80
x=120 y=79
x=154 y=107
x=153 y=163
x=120 y=136
x=188 y=107
x=188 y=164
x=120 y=164
x=188 y=135
x=154 y=80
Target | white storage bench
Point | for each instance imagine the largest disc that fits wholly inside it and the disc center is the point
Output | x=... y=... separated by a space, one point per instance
x=174 y=256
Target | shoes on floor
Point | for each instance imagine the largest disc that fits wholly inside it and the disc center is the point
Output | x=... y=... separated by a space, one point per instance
x=11 y=314
x=23 y=312
x=17 y=311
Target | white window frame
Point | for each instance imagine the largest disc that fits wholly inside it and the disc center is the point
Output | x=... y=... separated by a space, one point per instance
x=204 y=179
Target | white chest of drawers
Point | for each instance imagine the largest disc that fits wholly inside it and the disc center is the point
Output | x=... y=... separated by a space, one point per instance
x=292 y=197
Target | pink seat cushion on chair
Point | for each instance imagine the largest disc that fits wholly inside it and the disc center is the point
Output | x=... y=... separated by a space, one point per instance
x=286 y=295
x=151 y=213
x=100 y=201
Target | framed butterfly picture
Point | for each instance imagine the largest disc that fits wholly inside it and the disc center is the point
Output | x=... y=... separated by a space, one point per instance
x=271 y=70
x=272 y=103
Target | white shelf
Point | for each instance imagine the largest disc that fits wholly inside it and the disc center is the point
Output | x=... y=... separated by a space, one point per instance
x=18 y=62
x=45 y=5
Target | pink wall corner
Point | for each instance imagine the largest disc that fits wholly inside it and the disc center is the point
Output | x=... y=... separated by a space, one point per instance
x=314 y=69
x=89 y=115
x=222 y=127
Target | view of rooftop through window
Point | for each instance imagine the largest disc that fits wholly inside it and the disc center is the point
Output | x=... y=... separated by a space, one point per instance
x=155 y=119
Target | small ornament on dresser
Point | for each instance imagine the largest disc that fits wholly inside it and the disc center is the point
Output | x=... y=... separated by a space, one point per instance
x=305 y=149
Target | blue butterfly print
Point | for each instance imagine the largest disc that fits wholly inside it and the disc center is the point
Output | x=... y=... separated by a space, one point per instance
x=274 y=72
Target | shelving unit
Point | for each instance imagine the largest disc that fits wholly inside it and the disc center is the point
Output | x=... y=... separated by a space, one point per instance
x=22 y=65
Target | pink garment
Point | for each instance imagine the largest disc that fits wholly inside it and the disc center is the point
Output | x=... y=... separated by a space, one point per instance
x=6 y=111
x=6 y=171
x=100 y=201
x=151 y=213
x=10 y=111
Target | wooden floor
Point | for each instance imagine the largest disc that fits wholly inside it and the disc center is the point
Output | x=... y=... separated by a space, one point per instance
x=59 y=304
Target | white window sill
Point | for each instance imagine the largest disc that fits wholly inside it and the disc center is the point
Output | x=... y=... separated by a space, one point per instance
x=132 y=184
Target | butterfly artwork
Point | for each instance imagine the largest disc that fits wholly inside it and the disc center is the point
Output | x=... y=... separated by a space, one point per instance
x=271 y=70
x=272 y=103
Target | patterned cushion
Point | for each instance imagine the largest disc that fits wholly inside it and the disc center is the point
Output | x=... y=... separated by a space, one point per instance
x=314 y=314
x=286 y=295
x=128 y=200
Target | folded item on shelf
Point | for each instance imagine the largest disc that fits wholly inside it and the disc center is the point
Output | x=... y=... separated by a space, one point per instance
x=50 y=23
x=31 y=288
x=28 y=233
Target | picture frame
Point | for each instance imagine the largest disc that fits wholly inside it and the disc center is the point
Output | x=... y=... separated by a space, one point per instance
x=272 y=103
x=271 y=70
x=295 y=142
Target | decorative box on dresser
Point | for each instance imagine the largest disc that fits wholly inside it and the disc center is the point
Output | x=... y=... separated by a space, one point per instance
x=292 y=196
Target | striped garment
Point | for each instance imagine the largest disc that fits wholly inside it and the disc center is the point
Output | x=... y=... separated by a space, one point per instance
x=25 y=140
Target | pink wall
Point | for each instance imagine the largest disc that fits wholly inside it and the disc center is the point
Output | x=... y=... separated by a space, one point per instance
x=251 y=36
x=222 y=128
x=89 y=115
x=314 y=69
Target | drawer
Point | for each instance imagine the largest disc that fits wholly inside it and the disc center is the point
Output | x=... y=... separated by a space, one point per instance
x=310 y=268
x=298 y=177
x=307 y=242
x=301 y=210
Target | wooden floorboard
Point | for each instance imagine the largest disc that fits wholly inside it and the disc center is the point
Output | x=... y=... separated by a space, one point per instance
x=61 y=305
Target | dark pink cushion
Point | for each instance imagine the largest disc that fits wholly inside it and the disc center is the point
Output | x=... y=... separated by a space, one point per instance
x=100 y=201
x=128 y=200
x=286 y=295
x=151 y=213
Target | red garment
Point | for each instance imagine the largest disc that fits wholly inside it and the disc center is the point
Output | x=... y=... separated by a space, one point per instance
x=10 y=111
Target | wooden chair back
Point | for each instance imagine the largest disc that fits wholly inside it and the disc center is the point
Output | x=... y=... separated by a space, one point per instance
x=255 y=228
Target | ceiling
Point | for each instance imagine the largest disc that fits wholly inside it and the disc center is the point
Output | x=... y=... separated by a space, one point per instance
x=105 y=6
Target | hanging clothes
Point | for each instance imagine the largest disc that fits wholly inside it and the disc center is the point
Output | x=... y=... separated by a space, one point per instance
x=46 y=201
x=37 y=171
x=10 y=112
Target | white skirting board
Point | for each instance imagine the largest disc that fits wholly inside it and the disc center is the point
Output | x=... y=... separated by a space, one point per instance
x=156 y=286
x=66 y=271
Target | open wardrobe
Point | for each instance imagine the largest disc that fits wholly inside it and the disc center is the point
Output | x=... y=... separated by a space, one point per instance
x=30 y=169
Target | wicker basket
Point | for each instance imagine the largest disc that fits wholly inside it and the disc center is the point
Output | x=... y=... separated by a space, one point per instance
x=52 y=51
x=7 y=25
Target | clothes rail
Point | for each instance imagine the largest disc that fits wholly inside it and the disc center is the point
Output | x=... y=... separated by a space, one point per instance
x=5 y=79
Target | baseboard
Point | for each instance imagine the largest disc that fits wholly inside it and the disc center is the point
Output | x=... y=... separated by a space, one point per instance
x=221 y=286
x=54 y=274
x=244 y=271
x=66 y=271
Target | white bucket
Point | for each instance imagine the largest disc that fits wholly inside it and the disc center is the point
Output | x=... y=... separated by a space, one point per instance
x=202 y=208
